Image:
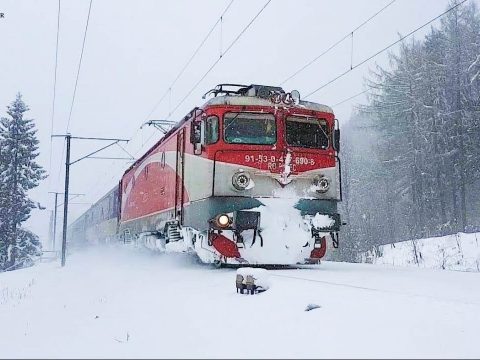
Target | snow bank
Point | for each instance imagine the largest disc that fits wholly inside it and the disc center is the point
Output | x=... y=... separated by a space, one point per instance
x=452 y=252
x=129 y=302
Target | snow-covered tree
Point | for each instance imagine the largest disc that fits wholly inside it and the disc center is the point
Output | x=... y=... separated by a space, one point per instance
x=18 y=173
x=421 y=175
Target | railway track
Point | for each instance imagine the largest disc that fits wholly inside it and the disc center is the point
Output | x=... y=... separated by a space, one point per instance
x=372 y=289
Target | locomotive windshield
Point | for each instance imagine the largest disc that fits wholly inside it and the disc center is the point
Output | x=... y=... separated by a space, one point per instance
x=250 y=128
x=307 y=132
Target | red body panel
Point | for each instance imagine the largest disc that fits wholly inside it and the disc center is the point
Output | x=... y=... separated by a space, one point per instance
x=151 y=192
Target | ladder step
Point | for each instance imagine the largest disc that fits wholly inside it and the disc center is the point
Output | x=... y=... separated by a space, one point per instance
x=174 y=233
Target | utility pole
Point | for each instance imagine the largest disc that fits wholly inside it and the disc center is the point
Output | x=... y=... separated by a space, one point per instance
x=68 y=137
x=55 y=222
x=65 y=200
x=55 y=214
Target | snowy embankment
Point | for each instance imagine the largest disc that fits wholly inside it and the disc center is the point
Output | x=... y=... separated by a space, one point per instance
x=452 y=252
x=123 y=302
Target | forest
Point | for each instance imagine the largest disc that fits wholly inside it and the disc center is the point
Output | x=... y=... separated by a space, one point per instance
x=411 y=155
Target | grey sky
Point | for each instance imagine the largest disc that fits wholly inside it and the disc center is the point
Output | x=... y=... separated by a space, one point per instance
x=134 y=50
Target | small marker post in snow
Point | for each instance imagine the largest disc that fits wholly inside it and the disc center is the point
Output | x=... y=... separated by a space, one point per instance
x=253 y=280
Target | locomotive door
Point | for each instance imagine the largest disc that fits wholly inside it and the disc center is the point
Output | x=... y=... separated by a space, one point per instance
x=179 y=180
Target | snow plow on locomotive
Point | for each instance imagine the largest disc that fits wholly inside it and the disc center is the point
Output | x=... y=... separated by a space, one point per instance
x=252 y=177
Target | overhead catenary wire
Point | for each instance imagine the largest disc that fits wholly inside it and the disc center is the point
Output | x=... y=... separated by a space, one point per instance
x=221 y=56
x=76 y=81
x=221 y=35
x=350 y=98
x=219 y=20
x=54 y=94
x=79 y=65
x=384 y=49
x=338 y=42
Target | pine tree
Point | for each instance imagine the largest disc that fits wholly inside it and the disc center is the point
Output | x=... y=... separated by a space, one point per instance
x=425 y=110
x=18 y=173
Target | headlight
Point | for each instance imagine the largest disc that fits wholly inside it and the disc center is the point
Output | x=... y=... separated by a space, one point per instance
x=322 y=183
x=222 y=220
x=241 y=180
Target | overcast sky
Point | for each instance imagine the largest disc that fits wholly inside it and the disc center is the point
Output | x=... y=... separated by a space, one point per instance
x=135 y=49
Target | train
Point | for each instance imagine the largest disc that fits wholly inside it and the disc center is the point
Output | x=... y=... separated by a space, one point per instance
x=252 y=177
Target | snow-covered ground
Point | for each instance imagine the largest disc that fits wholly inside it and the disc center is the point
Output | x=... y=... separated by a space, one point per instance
x=126 y=302
x=459 y=252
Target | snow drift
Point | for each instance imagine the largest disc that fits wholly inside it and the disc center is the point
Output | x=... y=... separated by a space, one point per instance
x=452 y=252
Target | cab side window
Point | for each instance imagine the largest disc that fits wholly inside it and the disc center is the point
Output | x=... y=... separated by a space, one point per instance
x=211 y=130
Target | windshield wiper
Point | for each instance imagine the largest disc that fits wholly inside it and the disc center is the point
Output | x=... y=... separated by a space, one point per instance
x=231 y=122
x=324 y=133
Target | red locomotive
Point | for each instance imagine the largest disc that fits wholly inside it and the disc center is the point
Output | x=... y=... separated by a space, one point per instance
x=251 y=177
